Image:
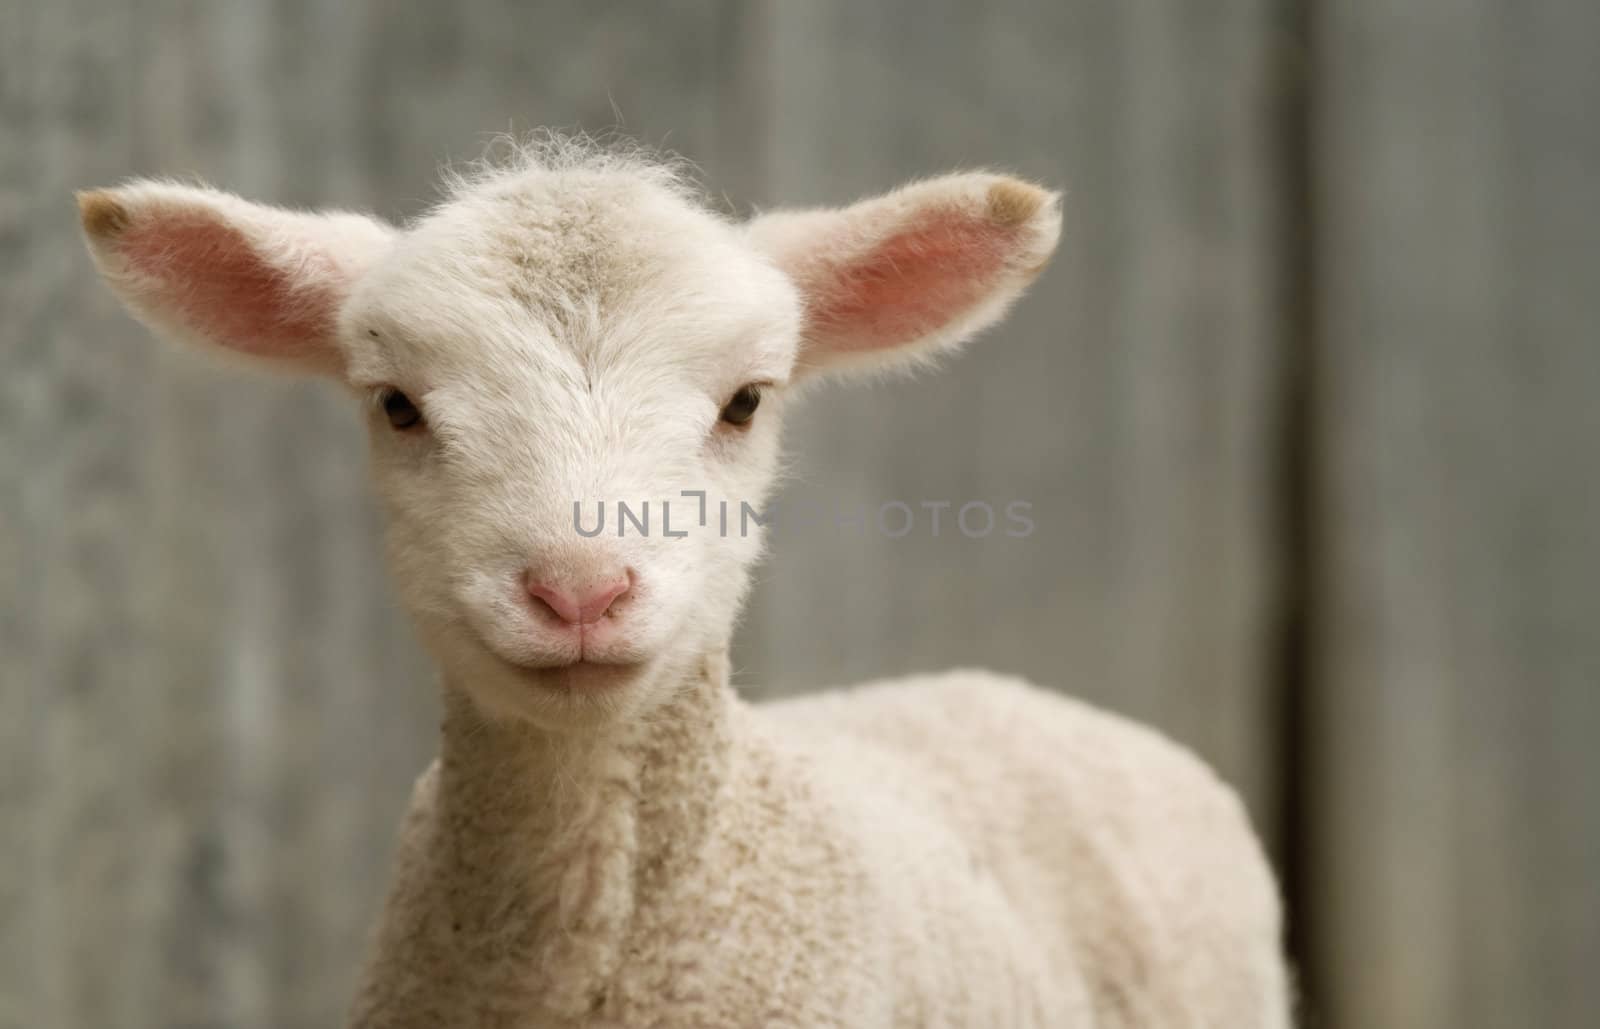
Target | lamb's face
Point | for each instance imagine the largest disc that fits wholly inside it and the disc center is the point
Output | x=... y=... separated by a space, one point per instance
x=570 y=337
x=534 y=359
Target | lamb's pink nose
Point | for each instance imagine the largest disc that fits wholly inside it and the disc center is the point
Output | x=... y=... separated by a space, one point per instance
x=580 y=607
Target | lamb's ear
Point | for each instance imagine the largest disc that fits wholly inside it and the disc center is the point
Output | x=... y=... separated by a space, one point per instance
x=904 y=276
x=205 y=266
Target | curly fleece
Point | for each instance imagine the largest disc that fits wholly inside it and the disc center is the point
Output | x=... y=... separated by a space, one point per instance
x=954 y=850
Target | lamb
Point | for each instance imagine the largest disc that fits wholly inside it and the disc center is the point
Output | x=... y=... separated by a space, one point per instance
x=610 y=837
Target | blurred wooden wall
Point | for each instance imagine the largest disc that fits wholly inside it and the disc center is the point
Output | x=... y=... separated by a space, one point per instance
x=1452 y=858
x=1305 y=410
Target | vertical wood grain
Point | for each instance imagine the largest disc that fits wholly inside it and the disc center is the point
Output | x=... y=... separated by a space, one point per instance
x=1128 y=399
x=1457 y=837
x=217 y=710
x=210 y=710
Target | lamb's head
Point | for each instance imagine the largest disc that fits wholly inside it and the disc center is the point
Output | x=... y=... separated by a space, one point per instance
x=560 y=340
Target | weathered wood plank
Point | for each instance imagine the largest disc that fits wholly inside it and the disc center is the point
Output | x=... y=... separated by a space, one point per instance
x=1457 y=836
x=1128 y=399
x=223 y=708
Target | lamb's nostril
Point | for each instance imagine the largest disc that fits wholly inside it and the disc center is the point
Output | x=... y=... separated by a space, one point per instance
x=552 y=602
x=580 y=606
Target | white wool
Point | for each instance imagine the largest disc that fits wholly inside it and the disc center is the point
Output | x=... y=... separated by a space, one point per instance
x=611 y=837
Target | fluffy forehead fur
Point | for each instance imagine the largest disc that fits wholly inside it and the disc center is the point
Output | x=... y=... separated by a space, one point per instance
x=609 y=256
x=568 y=325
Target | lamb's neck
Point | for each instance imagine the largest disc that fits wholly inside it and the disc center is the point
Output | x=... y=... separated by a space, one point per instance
x=559 y=835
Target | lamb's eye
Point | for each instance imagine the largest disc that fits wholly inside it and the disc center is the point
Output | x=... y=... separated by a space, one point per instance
x=402 y=413
x=743 y=406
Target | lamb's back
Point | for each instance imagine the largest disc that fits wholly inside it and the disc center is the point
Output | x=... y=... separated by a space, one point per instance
x=1126 y=861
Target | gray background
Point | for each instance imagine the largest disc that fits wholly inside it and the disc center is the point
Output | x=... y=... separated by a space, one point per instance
x=1306 y=410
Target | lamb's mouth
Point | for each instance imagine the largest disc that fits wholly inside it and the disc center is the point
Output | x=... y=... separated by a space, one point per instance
x=580 y=674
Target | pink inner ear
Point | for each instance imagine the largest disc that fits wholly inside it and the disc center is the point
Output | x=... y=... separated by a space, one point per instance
x=219 y=285
x=910 y=284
